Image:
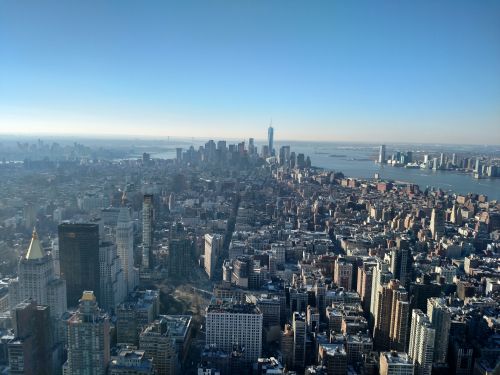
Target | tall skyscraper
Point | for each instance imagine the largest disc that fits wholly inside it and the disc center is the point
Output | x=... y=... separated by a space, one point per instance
x=440 y=317
x=125 y=246
x=270 y=140
x=391 y=321
x=180 y=251
x=30 y=351
x=401 y=264
x=364 y=283
x=421 y=349
x=229 y=324
x=37 y=281
x=88 y=339
x=381 y=276
x=147 y=230
x=79 y=257
x=213 y=251
x=381 y=154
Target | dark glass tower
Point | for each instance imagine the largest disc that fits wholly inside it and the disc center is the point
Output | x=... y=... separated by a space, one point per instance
x=79 y=258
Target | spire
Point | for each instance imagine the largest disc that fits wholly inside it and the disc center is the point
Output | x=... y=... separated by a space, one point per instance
x=35 y=250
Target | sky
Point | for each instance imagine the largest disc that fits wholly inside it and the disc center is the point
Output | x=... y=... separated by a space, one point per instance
x=384 y=71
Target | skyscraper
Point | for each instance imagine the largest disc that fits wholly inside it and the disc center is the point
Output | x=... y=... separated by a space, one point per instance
x=30 y=351
x=422 y=336
x=391 y=321
x=299 y=341
x=147 y=230
x=270 y=140
x=37 y=280
x=381 y=154
x=112 y=280
x=125 y=246
x=440 y=317
x=88 y=339
x=79 y=257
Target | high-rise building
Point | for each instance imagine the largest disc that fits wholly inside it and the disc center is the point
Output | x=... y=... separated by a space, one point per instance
x=159 y=345
x=125 y=247
x=30 y=351
x=229 y=324
x=401 y=264
x=391 y=321
x=180 y=251
x=213 y=251
x=381 y=276
x=395 y=363
x=342 y=275
x=79 y=258
x=147 y=230
x=364 y=283
x=381 y=154
x=88 y=339
x=37 y=280
x=421 y=349
x=437 y=222
x=270 y=140
x=112 y=278
x=299 y=341
x=440 y=317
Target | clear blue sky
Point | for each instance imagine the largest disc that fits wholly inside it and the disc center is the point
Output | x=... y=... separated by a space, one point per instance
x=331 y=70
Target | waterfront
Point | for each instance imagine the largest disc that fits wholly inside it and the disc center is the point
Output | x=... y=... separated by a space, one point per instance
x=357 y=161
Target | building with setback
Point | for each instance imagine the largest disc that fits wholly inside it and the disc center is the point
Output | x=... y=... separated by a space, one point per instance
x=88 y=339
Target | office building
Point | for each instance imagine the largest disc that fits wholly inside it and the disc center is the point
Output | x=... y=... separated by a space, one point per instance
x=401 y=264
x=79 y=258
x=159 y=346
x=395 y=363
x=270 y=140
x=334 y=358
x=440 y=317
x=213 y=252
x=231 y=323
x=299 y=341
x=125 y=247
x=30 y=351
x=147 y=230
x=37 y=280
x=381 y=154
x=421 y=349
x=88 y=339
x=180 y=251
x=381 y=276
x=364 y=283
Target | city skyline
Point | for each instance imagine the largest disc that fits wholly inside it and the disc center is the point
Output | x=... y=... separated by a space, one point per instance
x=406 y=72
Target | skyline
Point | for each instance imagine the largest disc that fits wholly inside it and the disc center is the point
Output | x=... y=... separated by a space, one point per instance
x=385 y=72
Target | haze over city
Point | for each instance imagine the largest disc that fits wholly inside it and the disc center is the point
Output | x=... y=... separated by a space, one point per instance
x=336 y=71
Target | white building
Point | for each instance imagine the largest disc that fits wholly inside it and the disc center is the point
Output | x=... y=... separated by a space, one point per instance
x=421 y=349
x=229 y=324
x=112 y=280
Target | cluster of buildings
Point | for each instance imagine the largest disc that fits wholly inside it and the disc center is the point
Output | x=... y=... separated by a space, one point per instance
x=286 y=269
x=479 y=165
